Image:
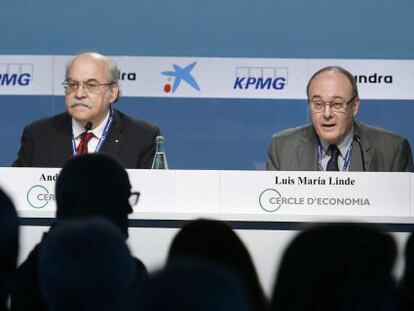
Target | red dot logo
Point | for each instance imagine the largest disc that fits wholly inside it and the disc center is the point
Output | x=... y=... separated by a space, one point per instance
x=167 y=88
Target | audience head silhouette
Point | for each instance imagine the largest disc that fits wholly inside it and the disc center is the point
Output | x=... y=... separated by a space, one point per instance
x=9 y=246
x=94 y=185
x=216 y=241
x=337 y=267
x=186 y=285
x=85 y=265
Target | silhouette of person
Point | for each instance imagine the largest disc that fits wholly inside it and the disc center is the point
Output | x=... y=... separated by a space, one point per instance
x=194 y=284
x=9 y=246
x=216 y=241
x=89 y=185
x=406 y=286
x=337 y=267
x=85 y=265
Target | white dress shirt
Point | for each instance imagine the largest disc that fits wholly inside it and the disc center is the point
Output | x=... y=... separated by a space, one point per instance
x=78 y=129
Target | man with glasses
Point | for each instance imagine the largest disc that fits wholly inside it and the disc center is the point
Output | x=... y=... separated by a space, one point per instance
x=335 y=141
x=90 y=124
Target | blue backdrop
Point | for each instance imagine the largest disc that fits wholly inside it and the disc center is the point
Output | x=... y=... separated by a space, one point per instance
x=208 y=133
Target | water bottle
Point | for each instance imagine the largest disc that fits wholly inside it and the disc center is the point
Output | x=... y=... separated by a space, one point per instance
x=160 y=159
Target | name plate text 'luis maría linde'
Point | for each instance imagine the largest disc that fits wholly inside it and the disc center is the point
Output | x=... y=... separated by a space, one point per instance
x=317 y=193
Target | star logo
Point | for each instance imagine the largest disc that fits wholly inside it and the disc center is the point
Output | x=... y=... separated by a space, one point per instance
x=180 y=74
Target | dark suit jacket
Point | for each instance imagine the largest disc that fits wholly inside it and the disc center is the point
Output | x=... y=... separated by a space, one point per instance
x=48 y=142
x=296 y=150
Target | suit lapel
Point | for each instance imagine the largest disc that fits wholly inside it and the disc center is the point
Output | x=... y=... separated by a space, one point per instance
x=112 y=144
x=63 y=126
x=306 y=153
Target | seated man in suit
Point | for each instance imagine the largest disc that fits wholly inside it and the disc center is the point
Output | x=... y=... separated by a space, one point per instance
x=90 y=124
x=335 y=141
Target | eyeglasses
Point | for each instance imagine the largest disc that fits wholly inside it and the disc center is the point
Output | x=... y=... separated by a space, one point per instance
x=90 y=86
x=134 y=198
x=337 y=105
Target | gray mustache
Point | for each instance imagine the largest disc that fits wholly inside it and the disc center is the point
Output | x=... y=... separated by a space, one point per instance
x=83 y=102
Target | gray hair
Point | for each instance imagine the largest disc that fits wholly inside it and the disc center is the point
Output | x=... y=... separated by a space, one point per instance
x=113 y=75
x=336 y=69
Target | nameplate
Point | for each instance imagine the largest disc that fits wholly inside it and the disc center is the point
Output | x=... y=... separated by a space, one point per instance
x=235 y=195
x=316 y=193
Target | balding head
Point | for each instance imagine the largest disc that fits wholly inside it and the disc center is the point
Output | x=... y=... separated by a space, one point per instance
x=111 y=67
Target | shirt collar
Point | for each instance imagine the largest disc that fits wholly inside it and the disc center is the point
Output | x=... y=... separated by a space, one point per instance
x=343 y=145
x=78 y=129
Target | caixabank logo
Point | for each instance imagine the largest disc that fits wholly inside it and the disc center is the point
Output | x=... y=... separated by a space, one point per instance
x=178 y=75
x=16 y=74
x=261 y=78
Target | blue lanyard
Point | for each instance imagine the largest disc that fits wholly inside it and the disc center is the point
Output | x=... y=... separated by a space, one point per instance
x=103 y=137
x=347 y=159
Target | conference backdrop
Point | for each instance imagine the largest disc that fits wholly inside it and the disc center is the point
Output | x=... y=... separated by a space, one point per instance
x=218 y=78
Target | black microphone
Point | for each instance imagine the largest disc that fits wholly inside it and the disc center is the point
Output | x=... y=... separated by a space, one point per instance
x=88 y=126
x=358 y=140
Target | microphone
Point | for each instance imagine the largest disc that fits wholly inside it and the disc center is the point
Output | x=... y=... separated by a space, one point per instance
x=88 y=126
x=358 y=140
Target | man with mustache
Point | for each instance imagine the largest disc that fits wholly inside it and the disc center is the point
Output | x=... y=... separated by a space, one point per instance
x=335 y=141
x=90 y=124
